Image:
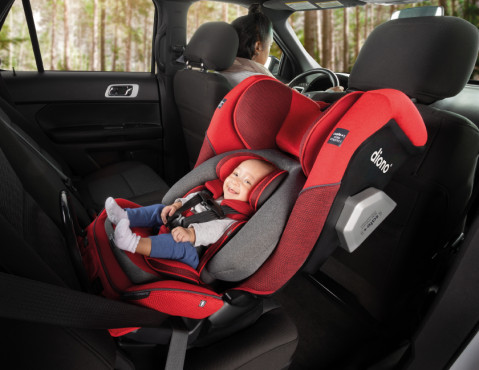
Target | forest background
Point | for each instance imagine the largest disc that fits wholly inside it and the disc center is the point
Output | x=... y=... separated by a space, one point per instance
x=113 y=35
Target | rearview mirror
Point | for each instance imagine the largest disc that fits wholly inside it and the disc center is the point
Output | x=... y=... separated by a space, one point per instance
x=420 y=11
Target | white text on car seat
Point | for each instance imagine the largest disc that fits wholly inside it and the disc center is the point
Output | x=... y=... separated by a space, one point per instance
x=379 y=161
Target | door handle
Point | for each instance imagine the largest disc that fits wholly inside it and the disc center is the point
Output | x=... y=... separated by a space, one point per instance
x=122 y=91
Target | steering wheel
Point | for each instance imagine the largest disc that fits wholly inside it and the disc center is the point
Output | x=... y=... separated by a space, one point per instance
x=332 y=77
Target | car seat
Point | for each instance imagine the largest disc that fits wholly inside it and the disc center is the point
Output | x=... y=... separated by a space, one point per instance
x=44 y=172
x=327 y=147
x=428 y=59
x=305 y=142
x=198 y=88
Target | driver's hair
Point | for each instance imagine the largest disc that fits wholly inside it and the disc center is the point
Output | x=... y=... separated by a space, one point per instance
x=253 y=27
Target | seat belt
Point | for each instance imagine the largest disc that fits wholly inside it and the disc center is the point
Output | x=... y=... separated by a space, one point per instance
x=30 y=300
x=67 y=180
x=178 y=344
x=34 y=301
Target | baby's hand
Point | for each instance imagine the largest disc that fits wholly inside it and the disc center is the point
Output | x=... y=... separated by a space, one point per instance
x=180 y=234
x=169 y=211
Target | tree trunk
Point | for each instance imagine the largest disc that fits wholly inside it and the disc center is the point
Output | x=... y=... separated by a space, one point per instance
x=356 y=34
x=102 y=35
x=310 y=32
x=443 y=3
x=115 y=39
x=224 y=10
x=327 y=42
x=128 y=36
x=53 y=45
x=66 y=32
x=392 y=9
x=345 y=67
x=94 y=37
x=146 y=29
x=366 y=21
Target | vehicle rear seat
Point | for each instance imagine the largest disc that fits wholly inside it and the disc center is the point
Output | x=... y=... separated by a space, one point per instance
x=44 y=172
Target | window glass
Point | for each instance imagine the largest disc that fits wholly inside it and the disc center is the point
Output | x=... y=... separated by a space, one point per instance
x=334 y=37
x=211 y=11
x=82 y=35
x=15 y=46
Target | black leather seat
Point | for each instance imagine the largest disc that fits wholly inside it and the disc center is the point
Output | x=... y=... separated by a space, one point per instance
x=199 y=87
x=427 y=58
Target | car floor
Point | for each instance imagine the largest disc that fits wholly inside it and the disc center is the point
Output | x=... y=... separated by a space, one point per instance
x=330 y=334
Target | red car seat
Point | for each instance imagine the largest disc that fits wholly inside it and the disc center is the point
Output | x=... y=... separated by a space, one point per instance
x=323 y=147
x=366 y=123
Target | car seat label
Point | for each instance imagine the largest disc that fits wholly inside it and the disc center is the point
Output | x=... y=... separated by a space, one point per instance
x=379 y=161
x=221 y=103
x=338 y=136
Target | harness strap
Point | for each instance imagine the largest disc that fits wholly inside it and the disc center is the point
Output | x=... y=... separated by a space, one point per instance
x=214 y=211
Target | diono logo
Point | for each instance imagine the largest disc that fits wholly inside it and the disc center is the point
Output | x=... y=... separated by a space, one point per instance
x=379 y=161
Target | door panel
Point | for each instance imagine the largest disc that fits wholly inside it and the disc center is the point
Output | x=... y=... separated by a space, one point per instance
x=89 y=128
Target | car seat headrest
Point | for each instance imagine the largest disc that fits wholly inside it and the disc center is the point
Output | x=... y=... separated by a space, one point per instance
x=263 y=189
x=214 y=44
x=427 y=58
x=260 y=113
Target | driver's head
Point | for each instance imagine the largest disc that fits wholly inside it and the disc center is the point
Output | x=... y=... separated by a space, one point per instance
x=255 y=32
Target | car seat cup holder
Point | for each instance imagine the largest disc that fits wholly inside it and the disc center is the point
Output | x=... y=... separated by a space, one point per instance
x=361 y=215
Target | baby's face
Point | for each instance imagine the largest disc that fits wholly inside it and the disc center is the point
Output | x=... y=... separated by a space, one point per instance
x=239 y=183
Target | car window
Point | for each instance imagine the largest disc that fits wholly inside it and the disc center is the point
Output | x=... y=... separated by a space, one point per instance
x=81 y=35
x=334 y=37
x=212 y=11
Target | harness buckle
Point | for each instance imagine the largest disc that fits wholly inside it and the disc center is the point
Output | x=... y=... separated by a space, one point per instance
x=209 y=203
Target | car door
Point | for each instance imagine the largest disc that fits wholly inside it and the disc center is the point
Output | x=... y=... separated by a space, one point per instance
x=98 y=108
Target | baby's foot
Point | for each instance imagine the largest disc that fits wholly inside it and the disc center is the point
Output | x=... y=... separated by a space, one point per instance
x=114 y=211
x=124 y=238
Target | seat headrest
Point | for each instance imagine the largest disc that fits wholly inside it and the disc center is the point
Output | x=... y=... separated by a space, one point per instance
x=427 y=58
x=214 y=44
x=260 y=113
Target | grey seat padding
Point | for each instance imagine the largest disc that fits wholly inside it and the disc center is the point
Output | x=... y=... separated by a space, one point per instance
x=253 y=244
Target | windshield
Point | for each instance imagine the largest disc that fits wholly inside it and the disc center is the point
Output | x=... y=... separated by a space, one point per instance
x=334 y=37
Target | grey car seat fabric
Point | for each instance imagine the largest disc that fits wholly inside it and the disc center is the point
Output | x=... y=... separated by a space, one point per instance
x=428 y=58
x=25 y=144
x=199 y=88
x=240 y=257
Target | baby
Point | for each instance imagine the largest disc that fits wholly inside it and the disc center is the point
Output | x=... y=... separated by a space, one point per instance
x=181 y=244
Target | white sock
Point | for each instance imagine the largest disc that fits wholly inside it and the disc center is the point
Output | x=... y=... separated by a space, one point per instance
x=124 y=238
x=114 y=211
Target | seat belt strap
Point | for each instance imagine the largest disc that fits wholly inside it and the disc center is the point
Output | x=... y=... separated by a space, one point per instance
x=67 y=180
x=30 y=300
x=178 y=346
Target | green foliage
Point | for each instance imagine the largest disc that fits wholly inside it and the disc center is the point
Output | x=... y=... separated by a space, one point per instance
x=15 y=46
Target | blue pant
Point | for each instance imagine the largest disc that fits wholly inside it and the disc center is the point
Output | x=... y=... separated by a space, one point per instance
x=163 y=245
